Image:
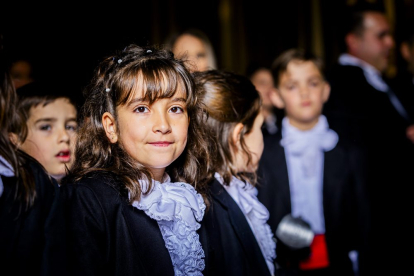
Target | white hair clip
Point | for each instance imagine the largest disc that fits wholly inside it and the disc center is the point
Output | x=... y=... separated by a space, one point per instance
x=107 y=90
x=119 y=60
x=149 y=51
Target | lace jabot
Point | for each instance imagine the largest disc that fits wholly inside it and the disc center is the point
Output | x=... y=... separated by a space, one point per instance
x=256 y=213
x=5 y=170
x=177 y=207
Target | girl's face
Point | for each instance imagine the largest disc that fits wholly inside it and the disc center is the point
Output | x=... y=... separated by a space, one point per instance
x=154 y=135
x=195 y=50
x=51 y=136
x=254 y=143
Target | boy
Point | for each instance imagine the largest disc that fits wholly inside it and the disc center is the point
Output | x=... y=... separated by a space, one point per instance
x=51 y=119
x=312 y=182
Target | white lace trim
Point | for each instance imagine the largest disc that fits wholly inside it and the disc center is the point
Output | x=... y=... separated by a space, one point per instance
x=257 y=215
x=177 y=207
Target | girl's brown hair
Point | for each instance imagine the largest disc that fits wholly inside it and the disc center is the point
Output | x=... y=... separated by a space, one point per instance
x=12 y=122
x=229 y=99
x=114 y=82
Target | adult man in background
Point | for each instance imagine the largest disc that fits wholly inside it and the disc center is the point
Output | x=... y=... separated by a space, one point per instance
x=365 y=110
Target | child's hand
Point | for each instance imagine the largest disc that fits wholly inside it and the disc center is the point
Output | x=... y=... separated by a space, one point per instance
x=410 y=133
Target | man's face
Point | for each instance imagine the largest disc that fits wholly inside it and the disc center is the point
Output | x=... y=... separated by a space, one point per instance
x=374 y=45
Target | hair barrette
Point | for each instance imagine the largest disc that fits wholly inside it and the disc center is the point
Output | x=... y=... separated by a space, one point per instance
x=119 y=60
x=149 y=51
x=108 y=89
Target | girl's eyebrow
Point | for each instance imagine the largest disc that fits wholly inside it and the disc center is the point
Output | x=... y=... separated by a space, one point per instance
x=178 y=100
x=46 y=120
x=138 y=100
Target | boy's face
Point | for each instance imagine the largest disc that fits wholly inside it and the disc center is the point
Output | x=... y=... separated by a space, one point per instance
x=302 y=92
x=51 y=137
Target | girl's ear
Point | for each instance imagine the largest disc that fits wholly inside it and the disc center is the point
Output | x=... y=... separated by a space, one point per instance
x=14 y=138
x=109 y=124
x=236 y=134
x=276 y=99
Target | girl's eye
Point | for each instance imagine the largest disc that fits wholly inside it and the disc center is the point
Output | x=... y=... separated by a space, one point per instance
x=141 y=109
x=45 y=127
x=290 y=87
x=73 y=128
x=176 y=109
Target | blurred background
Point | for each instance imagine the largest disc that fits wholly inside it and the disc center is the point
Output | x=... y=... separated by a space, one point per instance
x=66 y=40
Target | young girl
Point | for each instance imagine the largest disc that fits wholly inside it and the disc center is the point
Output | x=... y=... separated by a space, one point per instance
x=125 y=216
x=27 y=196
x=238 y=237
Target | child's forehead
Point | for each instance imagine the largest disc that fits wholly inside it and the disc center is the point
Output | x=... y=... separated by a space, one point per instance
x=298 y=68
x=142 y=92
x=52 y=109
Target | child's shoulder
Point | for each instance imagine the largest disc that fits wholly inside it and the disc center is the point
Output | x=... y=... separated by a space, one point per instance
x=99 y=183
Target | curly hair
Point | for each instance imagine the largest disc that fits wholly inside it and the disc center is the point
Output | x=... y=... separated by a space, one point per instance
x=229 y=99
x=115 y=81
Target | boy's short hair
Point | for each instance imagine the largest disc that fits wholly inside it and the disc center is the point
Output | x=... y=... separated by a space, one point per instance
x=280 y=64
x=36 y=93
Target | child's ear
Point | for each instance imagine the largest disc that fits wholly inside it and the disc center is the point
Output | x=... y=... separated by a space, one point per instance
x=236 y=134
x=276 y=99
x=109 y=124
x=326 y=92
x=14 y=138
x=405 y=51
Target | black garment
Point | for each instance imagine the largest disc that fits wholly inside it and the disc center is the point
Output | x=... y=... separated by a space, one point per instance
x=25 y=240
x=228 y=241
x=108 y=236
x=345 y=207
x=403 y=86
x=366 y=116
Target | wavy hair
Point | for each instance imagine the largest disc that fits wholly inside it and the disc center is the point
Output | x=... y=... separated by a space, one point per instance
x=12 y=122
x=229 y=99
x=115 y=81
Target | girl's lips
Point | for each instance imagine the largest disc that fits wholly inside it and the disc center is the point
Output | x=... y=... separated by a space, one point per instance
x=63 y=156
x=161 y=144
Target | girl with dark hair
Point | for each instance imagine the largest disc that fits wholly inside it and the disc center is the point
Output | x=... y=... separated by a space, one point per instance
x=27 y=196
x=239 y=240
x=141 y=132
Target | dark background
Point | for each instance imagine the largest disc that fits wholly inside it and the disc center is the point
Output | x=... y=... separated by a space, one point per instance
x=66 y=40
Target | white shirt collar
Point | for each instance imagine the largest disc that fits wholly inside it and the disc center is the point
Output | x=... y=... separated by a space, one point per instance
x=372 y=75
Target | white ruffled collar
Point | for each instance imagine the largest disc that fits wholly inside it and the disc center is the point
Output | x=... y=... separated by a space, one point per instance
x=300 y=141
x=257 y=214
x=177 y=207
x=6 y=170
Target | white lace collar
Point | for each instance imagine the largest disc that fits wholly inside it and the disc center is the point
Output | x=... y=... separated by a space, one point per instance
x=6 y=170
x=372 y=75
x=256 y=213
x=177 y=207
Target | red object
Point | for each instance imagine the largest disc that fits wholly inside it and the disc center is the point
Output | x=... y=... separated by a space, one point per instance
x=319 y=254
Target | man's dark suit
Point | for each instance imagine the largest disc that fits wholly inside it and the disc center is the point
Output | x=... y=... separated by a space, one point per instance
x=344 y=199
x=366 y=116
